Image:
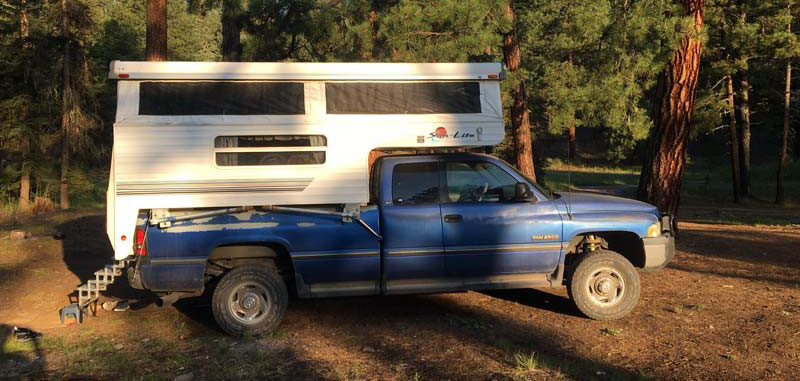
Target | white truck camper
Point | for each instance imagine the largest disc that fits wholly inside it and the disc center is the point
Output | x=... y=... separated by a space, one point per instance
x=197 y=135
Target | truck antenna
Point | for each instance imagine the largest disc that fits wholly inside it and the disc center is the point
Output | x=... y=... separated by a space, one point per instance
x=569 y=182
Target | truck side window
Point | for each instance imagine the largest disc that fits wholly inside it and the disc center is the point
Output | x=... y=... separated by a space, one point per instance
x=477 y=181
x=415 y=183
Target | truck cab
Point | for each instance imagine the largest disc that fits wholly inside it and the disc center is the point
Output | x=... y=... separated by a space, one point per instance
x=434 y=223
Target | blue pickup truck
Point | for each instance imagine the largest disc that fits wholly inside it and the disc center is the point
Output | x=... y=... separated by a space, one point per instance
x=435 y=223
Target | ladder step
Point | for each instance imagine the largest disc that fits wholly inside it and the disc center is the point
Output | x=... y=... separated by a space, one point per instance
x=104 y=272
x=90 y=292
x=97 y=286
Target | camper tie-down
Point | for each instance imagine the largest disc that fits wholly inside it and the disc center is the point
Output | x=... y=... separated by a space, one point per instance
x=255 y=181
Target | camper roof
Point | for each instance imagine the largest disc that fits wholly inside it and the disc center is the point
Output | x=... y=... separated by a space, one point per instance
x=305 y=71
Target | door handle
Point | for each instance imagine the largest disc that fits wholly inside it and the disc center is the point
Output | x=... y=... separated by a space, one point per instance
x=453 y=218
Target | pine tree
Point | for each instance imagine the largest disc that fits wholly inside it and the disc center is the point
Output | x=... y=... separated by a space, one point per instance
x=156 y=46
x=520 y=120
x=662 y=172
x=232 y=19
x=77 y=120
x=590 y=64
x=787 y=47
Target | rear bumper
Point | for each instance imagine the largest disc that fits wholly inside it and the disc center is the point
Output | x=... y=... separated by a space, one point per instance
x=658 y=251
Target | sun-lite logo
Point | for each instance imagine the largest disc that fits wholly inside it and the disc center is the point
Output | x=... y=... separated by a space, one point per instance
x=441 y=133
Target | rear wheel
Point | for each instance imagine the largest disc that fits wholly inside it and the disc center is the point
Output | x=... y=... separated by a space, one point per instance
x=604 y=285
x=250 y=300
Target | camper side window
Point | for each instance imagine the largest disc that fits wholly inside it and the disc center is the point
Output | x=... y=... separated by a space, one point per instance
x=221 y=98
x=403 y=98
x=269 y=150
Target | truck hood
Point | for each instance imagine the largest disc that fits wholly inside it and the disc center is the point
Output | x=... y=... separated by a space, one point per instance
x=580 y=202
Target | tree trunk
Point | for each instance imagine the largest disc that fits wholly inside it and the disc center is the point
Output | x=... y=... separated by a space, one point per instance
x=375 y=7
x=156 y=34
x=573 y=144
x=779 y=194
x=744 y=141
x=23 y=23
x=231 y=30
x=662 y=172
x=734 y=131
x=520 y=121
x=66 y=105
x=24 y=190
x=25 y=178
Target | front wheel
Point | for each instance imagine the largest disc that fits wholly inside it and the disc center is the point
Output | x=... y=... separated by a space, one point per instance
x=250 y=300
x=604 y=285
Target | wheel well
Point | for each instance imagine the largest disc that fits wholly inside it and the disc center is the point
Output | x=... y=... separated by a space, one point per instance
x=226 y=257
x=627 y=244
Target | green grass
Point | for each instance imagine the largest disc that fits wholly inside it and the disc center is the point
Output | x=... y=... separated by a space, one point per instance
x=706 y=194
x=559 y=175
x=526 y=362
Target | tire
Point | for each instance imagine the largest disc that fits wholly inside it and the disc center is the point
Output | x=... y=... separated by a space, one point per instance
x=604 y=285
x=250 y=300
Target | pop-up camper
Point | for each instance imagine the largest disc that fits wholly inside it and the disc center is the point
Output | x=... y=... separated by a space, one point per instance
x=251 y=180
x=211 y=135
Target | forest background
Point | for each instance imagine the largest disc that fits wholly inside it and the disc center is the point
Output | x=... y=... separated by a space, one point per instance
x=596 y=84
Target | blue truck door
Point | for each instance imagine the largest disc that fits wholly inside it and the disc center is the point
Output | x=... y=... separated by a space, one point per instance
x=411 y=223
x=486 y=232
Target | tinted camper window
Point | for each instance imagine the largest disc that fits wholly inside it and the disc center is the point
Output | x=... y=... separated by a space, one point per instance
x=403 y=98
x=221 y=98
x=230 y=151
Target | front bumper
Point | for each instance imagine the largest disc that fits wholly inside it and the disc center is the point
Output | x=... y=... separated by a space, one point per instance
x=658 y=251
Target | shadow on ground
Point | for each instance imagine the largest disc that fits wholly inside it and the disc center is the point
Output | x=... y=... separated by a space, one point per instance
x=86 y=249
x=413 y=332
x=15 y=360
x=769 y=256
x=531 y=297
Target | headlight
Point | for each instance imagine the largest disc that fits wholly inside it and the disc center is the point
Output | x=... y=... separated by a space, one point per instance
x=654 y=230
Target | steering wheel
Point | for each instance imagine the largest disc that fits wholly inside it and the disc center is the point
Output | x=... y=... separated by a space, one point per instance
x=483 y=191
x=474 y=194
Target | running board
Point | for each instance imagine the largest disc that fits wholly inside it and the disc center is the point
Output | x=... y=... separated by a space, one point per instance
x=89 y=293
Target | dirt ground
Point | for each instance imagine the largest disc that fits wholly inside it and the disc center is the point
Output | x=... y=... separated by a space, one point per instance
x=727 y=308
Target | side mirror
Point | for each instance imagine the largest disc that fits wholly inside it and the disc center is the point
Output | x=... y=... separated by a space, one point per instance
x=522 y=192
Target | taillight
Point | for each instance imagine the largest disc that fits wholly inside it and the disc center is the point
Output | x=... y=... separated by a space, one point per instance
x=138 y=243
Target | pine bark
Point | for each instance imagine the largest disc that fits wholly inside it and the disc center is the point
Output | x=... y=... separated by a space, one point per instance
x=662 y=172
x=25 y=178
x=520 y=121
x=232 y=14
x=374 y=27
x=780 y=197
x=156 y=33
x=66 y=106
x=734 y=132
x=744 y=139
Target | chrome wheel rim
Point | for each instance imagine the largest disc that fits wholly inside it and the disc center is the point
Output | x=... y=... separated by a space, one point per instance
x=249 y=303
x=606 y=287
